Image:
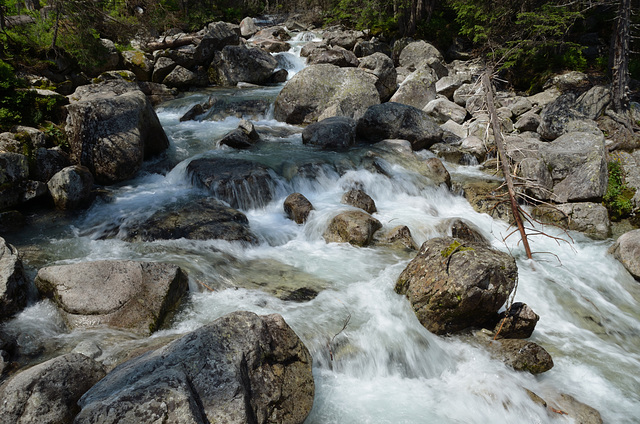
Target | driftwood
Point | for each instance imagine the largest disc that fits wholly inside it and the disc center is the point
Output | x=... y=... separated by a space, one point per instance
x=504 y=160
x=172 y=43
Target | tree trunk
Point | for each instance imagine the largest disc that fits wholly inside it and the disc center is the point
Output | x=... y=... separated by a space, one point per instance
x=620 y=65
x=58 y=7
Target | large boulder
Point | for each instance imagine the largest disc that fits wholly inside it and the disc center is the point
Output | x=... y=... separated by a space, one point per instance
x=359 y=199
x=354 y=227
x=381 y=66
x=241 y=183
x=418 y=89
x=578 y=166
x=48 y=162
x=335 y=133
x=395 y=120
x=217 y=35
x=241 y=368
x=345 y=39
x=71 y=188
x=138 y=62
x=416 y=52
x=587 y=217
x=453 y=285
x=365 y=48
x=13 y=282
x=112 y=128
x=236 y=64
x=323 y=91
x=627 y=250
x=562 y=116
x=201 y=219
x=48 y=393
x=336 y=55
x=248 y=27
x=443 y=110
x=136 y=296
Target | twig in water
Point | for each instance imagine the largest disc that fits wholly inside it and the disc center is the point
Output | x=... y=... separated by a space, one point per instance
x=344 y=327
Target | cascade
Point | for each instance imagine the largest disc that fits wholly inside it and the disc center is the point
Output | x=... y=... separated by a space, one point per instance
x=384 y=367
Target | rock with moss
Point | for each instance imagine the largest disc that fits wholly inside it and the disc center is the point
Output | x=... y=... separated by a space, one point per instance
x=354 y=227
x=240 y=368
x=135 y=296
x=453 y=285
x=138 y=62
x=323 y=91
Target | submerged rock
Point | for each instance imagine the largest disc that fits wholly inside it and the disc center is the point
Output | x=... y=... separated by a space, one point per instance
x=48 y=393
x=201 y=219
x=240 y=368
x=136 y=296
x=589 y=218
x=354 y=227
x=522 y=355
x=13 y=281
x=240 y=183
x=297 y=207
x=453 y=285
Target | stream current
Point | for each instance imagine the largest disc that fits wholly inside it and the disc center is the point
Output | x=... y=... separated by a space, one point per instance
x=384 y=367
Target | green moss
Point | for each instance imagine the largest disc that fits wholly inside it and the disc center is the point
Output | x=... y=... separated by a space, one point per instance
x=618 y=197
x=456 y=246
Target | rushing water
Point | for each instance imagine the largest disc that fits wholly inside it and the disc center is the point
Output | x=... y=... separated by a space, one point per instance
x=384 y=367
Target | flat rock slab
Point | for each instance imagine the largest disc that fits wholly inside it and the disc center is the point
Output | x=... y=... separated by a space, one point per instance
x=242 y=368
x=136 y=296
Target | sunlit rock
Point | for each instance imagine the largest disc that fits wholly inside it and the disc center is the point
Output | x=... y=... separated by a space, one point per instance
x=516 y=323
x=137 y=296
x=13 y=281
x=71 y=188
x=587 y=217
x=359 y=199
x=297 y=207
x=354 y=227
x=627 y=250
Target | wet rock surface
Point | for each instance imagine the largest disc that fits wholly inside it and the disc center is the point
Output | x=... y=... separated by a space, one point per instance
x=354 y=227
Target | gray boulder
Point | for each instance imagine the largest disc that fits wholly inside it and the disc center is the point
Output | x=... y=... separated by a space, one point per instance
x=297 y=207
x=48 y=393
x=529 y=121
x=336 y=55
x=336 y=133
x=394 y=120
x=241 y=368
x=109 y=58
x=435 y=170
x=248 y=27
x=112 y=128
x=217 y=35
x=627 y=250
x=399 y=237
x=71 y=188
x=416 y=52
x=578 y=167
x=345 y=39
x=365 y=48
x=323 y=91
x=14 y=167
x=589 y=218
x=462 y=229
x=182 y=78
x=359 y=199
x=562 y=116
x=517 y=323
x=446 y=86
x=201 y=219
x=162 y=68
x=593 y=103
x=236 y=64
x=136 y=296
x=453 y=285
x=354 y=227
x=241 y=183
x=381 y=66
x=13 y=281
x=578 y=411
x=418 y=89
x=443 y=110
